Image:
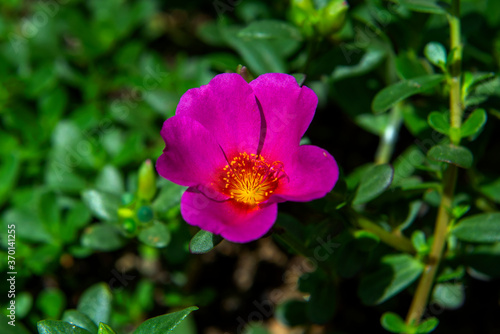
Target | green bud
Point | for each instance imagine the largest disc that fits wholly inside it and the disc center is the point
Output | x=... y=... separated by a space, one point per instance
x=147 y=181
x=332 y=17
x=129 y=226
x=304 y=15
x=326 y=18
x=145 y=214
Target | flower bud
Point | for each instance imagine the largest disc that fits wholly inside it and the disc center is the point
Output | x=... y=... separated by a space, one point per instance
x=303 y=14
x=332 y=17
x=324 y=21
x=145 y=214
x=129 y=226
x=147 y=181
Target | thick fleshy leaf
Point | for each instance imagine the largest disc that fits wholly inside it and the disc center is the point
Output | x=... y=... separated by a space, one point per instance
x=474 y=123
x=423 y=6
x=95 y=303
x=439 y=122
x=203 y=242
x=80 y=319
x=192 y=154
x=456 y=155
x=311 y=175
x=427 y=326
x=483 y=227
x=105 y=329
x=374 y=182
x=58 y=327
x=102 y=237
x=370 y=60
x=270 y=29
x=393 y=323
x=449 y=295
x=103 y=205
x=394 y=93
x=436 y=53
x=395 y=273
x=233 y=222
x=156 y=235
x=164 y=323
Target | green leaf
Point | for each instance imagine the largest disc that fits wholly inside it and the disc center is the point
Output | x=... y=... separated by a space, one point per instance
x=409 y=65
x=48 y=211
x=370 y=60
x=392 y=94
x=105 y=329
x=164 y=323
x=439 y=122
x=393 y=323
x=395 y=274
x=427 y=326
x=418 y=241
x=436 y=53
x=449 y=295
x=456 y=155
x=79 y=319
x=491 y=189
x=423 y=6
x=77 y=217
x=261 y=56
x=203 y=242
x=110 y=180
x=270 y=29
x=374 y=182
x=102 y=237
x=9 y=171
x=156 y=235
x=103 y=205
x=95 y=302
x=322 y=303
x=292 y=313
x=474 y=123
x=28 y=225
x=375 y=124
x=6 y=328
x=169 y=196
x=24 y=302
x=51 y=302
x=483 y=227
x=58 y=327
x=52 y=107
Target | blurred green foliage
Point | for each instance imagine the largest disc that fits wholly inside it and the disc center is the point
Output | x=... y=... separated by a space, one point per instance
x=86 y=85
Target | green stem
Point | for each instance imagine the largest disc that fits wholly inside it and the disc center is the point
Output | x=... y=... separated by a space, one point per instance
x=390 y=136
x=455 y=66
x=398 y=242
x=444 y=215
x=421 y=296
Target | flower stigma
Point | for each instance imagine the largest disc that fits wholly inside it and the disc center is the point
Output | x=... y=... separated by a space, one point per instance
x=250 y=180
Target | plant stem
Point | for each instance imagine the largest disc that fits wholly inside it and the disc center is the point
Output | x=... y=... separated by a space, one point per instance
x=398 y=242
x=444 y=215
x=455 y=66
x=390 y=136
x=421 y=296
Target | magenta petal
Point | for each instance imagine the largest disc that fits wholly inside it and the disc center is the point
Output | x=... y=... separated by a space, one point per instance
x=226 y=107
x=226 y=219
x=312 y=175
x=288 y=110
x=191 y=156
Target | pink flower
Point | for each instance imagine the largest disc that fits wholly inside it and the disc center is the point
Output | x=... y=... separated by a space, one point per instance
x=236 y=146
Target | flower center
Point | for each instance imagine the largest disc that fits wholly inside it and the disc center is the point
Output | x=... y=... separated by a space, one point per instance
x=249 y=179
